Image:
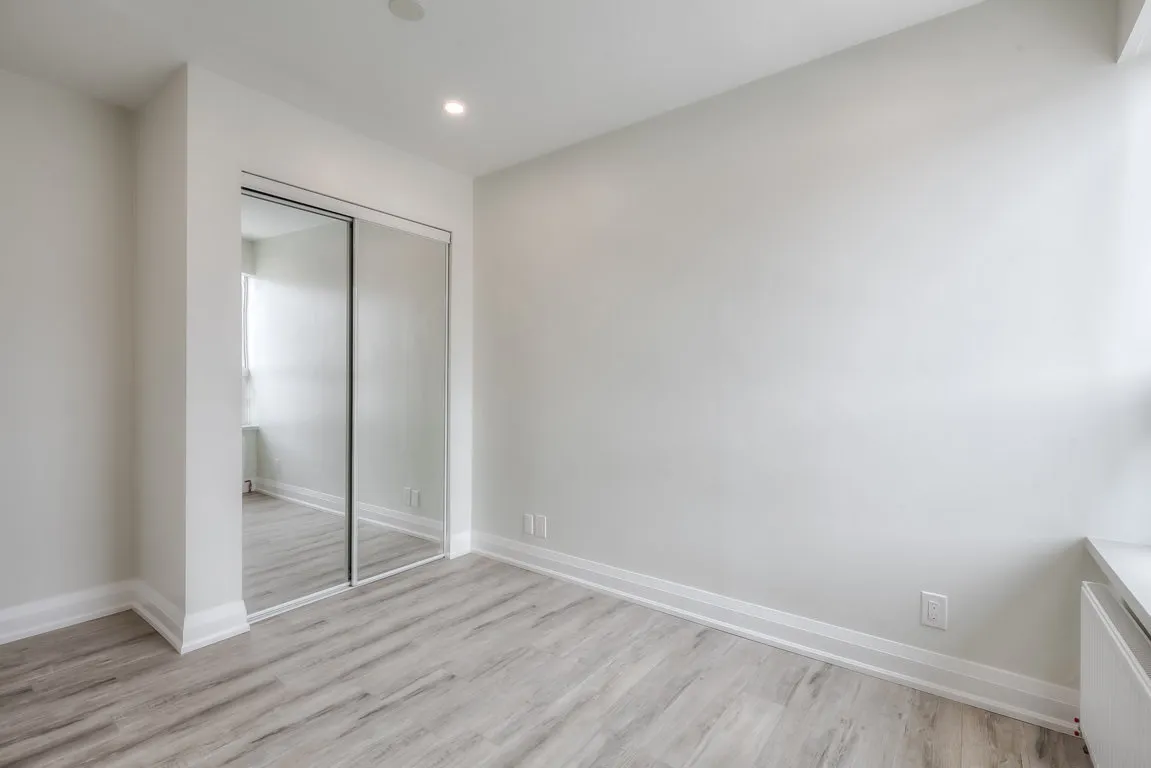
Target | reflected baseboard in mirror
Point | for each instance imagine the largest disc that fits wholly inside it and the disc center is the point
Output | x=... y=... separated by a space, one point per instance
x=292 y=550
x=289 y=551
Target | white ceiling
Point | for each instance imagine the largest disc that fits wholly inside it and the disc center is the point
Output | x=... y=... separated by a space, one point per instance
x=537 y=75
x=260 y=219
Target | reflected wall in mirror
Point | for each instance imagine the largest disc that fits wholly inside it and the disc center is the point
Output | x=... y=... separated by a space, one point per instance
x=295 y=285
x=400 y=414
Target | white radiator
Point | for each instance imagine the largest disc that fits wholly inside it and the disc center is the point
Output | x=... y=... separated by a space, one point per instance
x=1115 y=682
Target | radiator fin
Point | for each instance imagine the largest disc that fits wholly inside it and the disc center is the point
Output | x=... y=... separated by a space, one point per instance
x=1115 y=686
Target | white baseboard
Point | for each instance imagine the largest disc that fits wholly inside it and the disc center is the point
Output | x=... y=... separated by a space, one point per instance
x=204 y=628
x=196 y=631
x=157 y=610
x=996 y=690
x=40 y=616
x=187 y=633
x=404 y=522
x=325 y=502
x=461 y=544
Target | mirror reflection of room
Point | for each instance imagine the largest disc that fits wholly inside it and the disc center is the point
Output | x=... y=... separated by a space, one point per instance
x=305 y=341
x=295 y=401
x=401 y=397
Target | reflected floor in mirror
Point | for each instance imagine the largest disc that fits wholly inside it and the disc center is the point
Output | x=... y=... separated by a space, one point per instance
x=291 y=550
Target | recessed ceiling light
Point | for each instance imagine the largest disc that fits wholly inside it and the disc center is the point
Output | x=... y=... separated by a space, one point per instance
x=453 y=107
x=408 y=10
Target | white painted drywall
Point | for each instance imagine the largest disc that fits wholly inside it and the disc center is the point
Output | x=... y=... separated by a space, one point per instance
x=1129 y=11
x=160 y=339
x=248 y=256
x=1133 y=28
x=876 y=325
x=232 y=129
x=66 y=246
x=401 y=338
x=298 y=356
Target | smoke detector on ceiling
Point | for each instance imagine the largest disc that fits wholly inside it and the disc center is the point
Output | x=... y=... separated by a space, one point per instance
x=408 y=10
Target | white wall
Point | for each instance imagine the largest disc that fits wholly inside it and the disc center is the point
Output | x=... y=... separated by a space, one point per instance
x=233 y=129
x=1134 y=29
x=298 y=356
x=66 y=247
x=876 y=325
x=248 y=256
x=161 y=330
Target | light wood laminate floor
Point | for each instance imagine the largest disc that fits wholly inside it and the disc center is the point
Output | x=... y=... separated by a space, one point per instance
x=475 y=663
x=291 y=550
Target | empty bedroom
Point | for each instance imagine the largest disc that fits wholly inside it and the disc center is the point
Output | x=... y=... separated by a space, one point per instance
x=647 y=384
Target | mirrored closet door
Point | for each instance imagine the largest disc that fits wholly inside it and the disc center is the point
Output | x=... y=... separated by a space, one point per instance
x=400 y=413
x=345 y=376
x=296 y=285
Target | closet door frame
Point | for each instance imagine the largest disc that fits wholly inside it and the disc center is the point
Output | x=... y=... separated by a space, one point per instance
x=289 y=194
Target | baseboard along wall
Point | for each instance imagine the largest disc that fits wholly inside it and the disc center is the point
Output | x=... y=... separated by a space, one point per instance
x=204 y=628
x=40 y=616
x=325 y=502
x=404 y=522
x=158 y=611
x=184 y=633
x=190 y=632
x=460 y=545
x=996 y=690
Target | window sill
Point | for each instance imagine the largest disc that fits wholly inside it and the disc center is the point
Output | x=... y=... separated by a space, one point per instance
x=250 y=428
x=1128 y=568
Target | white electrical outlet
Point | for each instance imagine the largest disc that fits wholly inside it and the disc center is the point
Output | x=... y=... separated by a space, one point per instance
x=541 y=526
x=279 y=468
x=415 y=497
x=933 y=610
x=408 y=497
x=529 y=525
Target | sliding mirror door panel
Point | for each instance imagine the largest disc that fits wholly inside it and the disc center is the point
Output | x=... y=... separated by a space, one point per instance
x=296 y=287
x=400 y=408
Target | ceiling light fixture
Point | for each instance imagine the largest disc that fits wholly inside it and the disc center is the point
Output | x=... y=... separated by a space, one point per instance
x=455 y=108
x=408 y=10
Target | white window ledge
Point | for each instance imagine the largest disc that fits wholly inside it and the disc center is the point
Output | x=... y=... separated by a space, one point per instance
x=1128 y=568
x=249 y=427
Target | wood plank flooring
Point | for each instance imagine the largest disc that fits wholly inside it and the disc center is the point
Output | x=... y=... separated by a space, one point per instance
x=291 y=550
x=479 y=664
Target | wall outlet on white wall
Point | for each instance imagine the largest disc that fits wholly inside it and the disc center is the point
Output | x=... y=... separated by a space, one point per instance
x=541 y=526
x=415 y=500
x=279 y=468
x=933 y=610
x=529 y=525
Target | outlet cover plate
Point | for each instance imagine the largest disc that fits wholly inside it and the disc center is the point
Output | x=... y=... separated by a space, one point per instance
x=933 y=610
